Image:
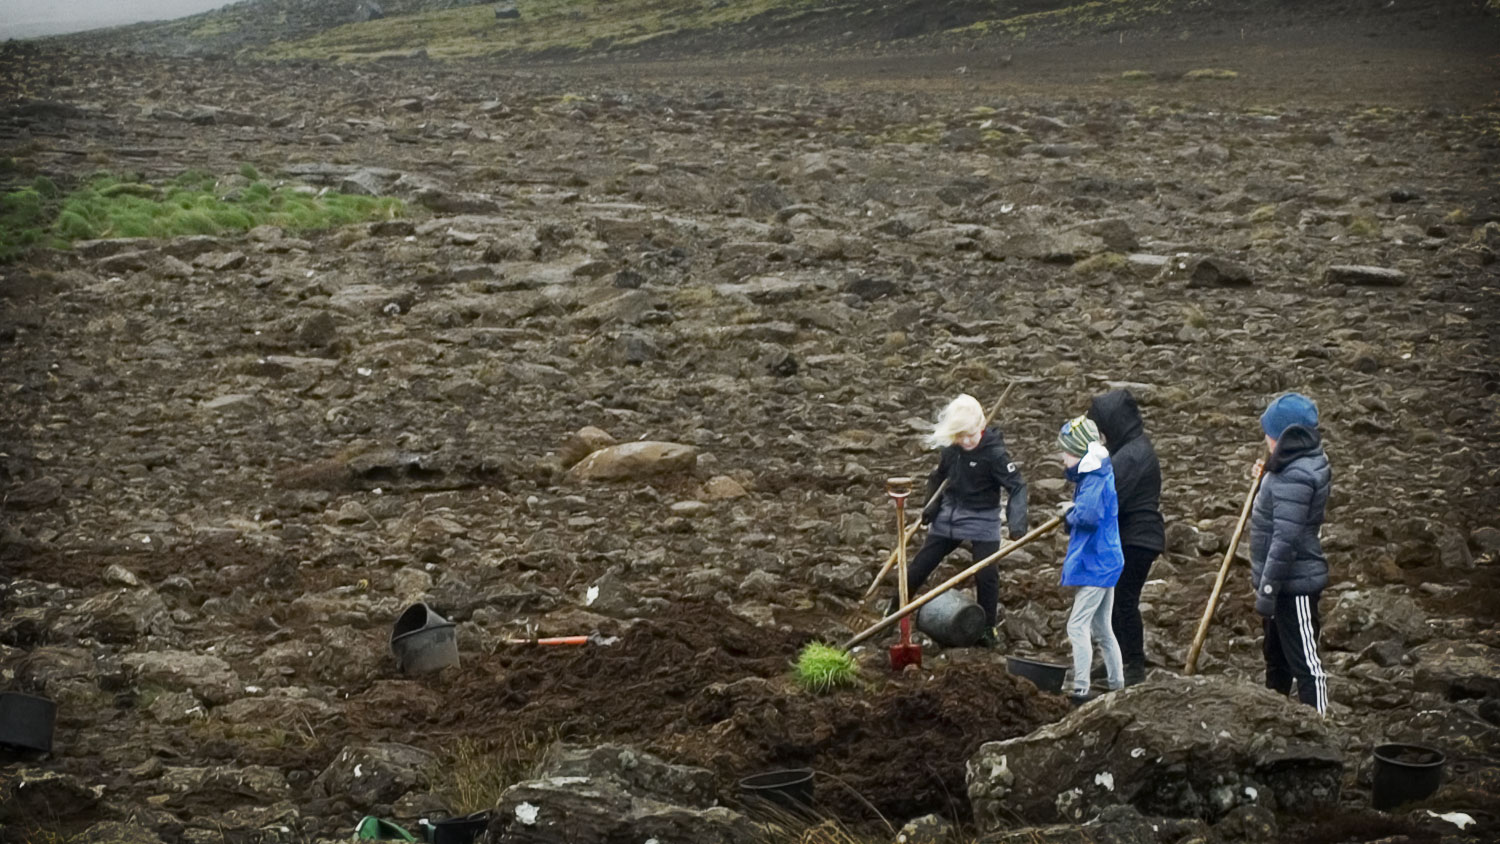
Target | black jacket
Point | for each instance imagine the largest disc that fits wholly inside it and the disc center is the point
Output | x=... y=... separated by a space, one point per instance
x=976 y=477
x=1285 y=552
x=1137 y=471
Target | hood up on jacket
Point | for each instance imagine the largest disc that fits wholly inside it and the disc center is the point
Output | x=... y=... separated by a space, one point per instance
x=1118 y=417
x=1296 y=441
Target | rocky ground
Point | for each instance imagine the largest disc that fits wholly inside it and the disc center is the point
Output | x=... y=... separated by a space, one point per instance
x=228 y=463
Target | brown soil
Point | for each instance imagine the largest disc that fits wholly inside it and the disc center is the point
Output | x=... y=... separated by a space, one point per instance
x=703 y=686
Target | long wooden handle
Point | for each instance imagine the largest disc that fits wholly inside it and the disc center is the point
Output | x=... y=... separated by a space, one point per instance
x=1213 y=599
x=917 y=525
x=885 y=623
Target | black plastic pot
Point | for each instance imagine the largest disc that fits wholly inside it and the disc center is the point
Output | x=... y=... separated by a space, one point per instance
x=790 y=790
x=461 y=830
x=1404 y=773
x=26 y=721
x=1048 y=676
x=424 y=641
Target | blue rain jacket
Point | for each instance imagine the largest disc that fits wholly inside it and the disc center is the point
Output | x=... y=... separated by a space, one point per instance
x=1094 y=554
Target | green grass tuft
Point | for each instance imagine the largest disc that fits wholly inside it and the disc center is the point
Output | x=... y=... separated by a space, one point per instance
x=821 y=668
x=109 y=206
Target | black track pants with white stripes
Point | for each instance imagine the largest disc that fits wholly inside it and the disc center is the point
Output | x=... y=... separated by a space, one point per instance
x=1291 y=650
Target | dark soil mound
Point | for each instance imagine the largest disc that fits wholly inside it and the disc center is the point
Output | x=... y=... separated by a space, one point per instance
x=703 y=686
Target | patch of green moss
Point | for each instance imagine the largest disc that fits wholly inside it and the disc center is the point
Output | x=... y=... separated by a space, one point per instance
x=109 y=206
x=544 y=25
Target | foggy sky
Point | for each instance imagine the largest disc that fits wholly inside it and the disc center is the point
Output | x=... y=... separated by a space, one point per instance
x=29 y=18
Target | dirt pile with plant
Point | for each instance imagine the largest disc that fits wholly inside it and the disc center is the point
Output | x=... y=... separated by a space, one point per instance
x=636 y=353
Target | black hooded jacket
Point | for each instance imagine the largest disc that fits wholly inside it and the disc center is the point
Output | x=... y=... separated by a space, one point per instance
x=976 y=477
x=1137 y=471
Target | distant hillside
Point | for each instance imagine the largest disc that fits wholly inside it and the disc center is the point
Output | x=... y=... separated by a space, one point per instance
x=356 y=30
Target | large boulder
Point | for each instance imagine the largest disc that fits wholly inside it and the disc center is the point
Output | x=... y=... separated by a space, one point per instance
x=1176 y=747
x=635 y=461
x=376 y=773
x=1458 y=670
x=29 y=793
x=119 y=617
x=614 y=793
x=1363 y=617
x=208 y=677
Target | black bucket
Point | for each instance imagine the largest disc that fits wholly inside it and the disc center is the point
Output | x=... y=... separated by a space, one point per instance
x=26 y=721
x=424 y=641
x=1048 y=676
x=952 y=620
x=1405 y=773
x=461 y=830
x=790 y=790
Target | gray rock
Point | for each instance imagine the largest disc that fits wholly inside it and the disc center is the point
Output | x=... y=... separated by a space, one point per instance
x=505 y=12
x=34 y=495
x=1363 y=617
x=635 y=461
x=118 y=617
x=208 y=677
x=27 y=794
x=1175 y=746
x=582 y=443
x=1364 y=276
x=1211 y=271
x=452 y=202
x=612 y=793
x=1052 y=246
x=1486 y=539
x=928 y=829
x=1458 y=669
x=376 y=773
x=369 y=181
x=116 y=832
x=637 y=771
x=188 y=785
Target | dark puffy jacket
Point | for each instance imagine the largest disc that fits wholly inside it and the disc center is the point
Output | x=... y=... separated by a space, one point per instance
x=976 y=477
x=1137 y=471
x=1285 y=552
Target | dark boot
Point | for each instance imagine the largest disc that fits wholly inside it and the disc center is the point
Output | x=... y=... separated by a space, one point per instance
x=1135 y=673
x=989 y=638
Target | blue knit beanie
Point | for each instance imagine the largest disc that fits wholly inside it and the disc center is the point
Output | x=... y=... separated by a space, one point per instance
x=1286 y=410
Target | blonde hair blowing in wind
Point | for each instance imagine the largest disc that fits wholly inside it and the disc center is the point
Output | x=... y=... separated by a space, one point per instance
x=961 y=416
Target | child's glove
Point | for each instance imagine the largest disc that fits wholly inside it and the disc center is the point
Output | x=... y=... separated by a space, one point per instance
x=930 y=512
x=1265 y=601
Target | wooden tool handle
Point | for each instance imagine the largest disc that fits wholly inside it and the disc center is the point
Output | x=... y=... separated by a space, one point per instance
x=885 y=623
x=1213 y=599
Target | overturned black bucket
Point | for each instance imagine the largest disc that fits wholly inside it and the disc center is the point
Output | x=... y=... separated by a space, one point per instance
x=424 y=641
x=460 y=830
x=951 y=620
x=1405 y=773
x=26 y=721
x=1048 y=676
x=789 y=790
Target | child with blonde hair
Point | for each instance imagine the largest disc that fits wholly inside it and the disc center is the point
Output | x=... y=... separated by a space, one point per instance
x=977 y=468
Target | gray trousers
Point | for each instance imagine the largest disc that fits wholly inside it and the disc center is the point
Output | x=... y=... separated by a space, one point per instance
x=1092 y=607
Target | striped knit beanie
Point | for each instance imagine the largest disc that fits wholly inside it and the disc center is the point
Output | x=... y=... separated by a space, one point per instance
x=1076 y=434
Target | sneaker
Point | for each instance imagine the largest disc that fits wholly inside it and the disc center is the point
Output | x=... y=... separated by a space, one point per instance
x=1135 y=674
x=1078 y=700
x=989 y=638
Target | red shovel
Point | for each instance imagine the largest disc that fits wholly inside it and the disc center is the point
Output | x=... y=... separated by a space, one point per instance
x=904 y=652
